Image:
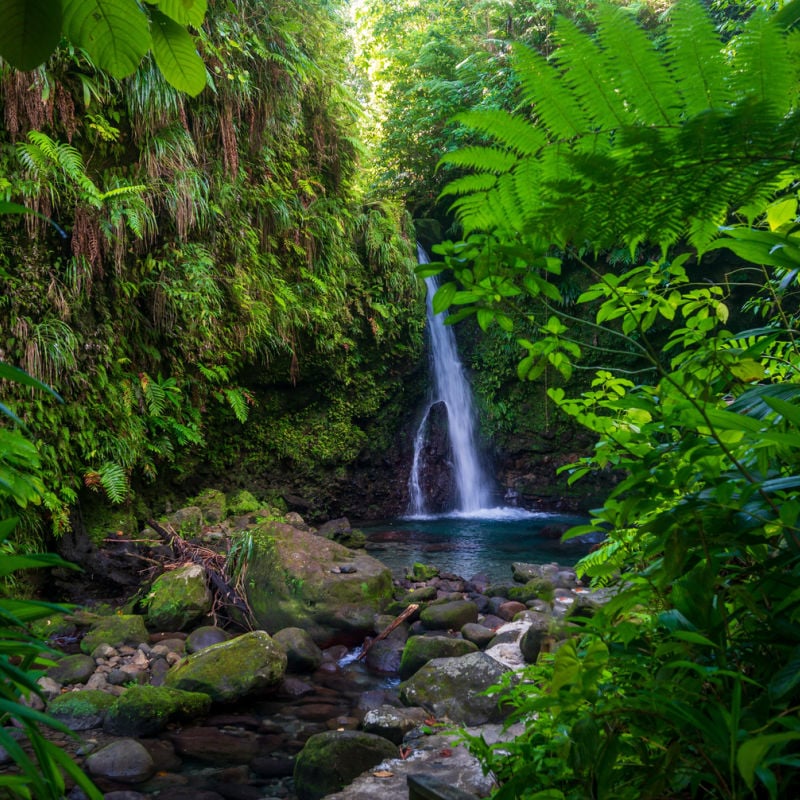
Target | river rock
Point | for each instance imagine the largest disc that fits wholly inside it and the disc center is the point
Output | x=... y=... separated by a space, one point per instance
x=302 y=653
x=419 y=650
x=449 y=616
x=393 y=723
x=330 y=760
x=453 y=688
x=124 y=760
x=479 y=635
x=117 y=630
x=384 y=656
x=77 y=668
x=147 y=710
x=215 y=745
x=178 y=598
x=229 y=670
x=205 y=636
x=298 y=579
x=81 y=711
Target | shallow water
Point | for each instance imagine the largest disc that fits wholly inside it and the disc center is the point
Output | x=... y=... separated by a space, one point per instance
x=486 y=541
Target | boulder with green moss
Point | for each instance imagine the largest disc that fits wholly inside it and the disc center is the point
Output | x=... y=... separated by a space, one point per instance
x=187 y=522
x=419 y=650
x=213 y=504
x=332 y=759
x=297 y=579
x=115 y=630
x=421 y=572
x=178 y=598
x=147 y=710
x=450 y=615
x=245 y=665
x=77 y=668
x=82 y=710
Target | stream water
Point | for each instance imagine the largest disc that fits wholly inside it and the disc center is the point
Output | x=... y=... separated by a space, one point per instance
x=486 y=541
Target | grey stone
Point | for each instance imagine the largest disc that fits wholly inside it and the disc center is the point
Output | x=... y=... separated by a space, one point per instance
x=124 y=760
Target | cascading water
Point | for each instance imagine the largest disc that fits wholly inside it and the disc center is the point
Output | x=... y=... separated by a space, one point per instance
x=450 y=388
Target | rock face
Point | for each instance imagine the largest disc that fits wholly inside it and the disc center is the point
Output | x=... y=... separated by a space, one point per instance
x=297 y=579
x=178 y=598
x=330 y=760
x=229 y=670
x=453 y=687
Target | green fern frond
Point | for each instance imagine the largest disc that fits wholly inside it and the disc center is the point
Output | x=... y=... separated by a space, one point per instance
x=506 y=129
x=481 y=159
x=639 y=69
x=554 y=104
x=694 y=48
x=113 y=480
x=237 y=403
x=469 y=184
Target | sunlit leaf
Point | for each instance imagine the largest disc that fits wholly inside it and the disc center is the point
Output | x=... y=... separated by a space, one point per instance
x=176 y=55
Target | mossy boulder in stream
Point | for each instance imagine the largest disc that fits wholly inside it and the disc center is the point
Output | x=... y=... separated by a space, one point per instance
x=147 y=710
x=178 y=598
x=81 y=711
x=116 y=630
x=298 y=579
x=229 y=670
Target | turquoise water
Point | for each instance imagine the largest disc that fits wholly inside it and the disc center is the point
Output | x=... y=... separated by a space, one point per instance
x=485 y=541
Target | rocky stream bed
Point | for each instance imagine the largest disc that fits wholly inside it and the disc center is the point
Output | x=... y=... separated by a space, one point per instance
x=317 y=691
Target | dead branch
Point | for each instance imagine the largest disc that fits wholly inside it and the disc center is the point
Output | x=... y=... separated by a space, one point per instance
x=389 y=628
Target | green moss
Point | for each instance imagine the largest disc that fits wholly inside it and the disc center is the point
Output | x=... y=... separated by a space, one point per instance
x=147 y=710
x=243 y=502
x=421 y=572
x=213 y=504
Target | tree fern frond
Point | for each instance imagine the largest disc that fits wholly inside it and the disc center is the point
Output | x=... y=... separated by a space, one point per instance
x=588 y=75
x=482 y=159
x=764 y=70
x=639 y=69
x=696 y=56
x=237 y=403
x=507 y=129
x=467 y=184
x=551 y=98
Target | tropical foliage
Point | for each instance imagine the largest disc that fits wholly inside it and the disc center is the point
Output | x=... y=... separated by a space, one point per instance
x=116 y=35
x=686 y=683
x=205 y=253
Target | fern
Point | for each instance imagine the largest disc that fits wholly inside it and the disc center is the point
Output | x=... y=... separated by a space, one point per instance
x=237 y=402
x=112 y=478
x=620 y=141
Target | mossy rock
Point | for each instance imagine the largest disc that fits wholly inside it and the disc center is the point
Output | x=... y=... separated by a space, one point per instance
x=302 y=653
x=178 y=598
x=534 y=589
x=83 y=710
x=213 y=504
x=449 y=616
x=419 y=650
x=421 y=572
x=187 y=522
x=242 y=502
x=333 y=759
x=115 y=630
x=76 y=668
x=147 y=710
x=296 y=579
x=245 y=665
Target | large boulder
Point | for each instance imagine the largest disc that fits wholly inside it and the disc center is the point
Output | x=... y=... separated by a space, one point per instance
x=331 y=760
x=297 y=579
x=147 y=710
x=245 y=665
x=419 y=650
x=77 y=668
x=449 y=616
x=178 y=598
x=302 y=653
x=454 y=688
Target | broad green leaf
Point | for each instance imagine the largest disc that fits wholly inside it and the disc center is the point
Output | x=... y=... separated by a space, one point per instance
x=753 y=752
x=444 y=297
x=748 y=370
x=115 y=33
x=176 y=56
x=184 y=12
x=30 y=31
x=781 y=212
x=9 y=373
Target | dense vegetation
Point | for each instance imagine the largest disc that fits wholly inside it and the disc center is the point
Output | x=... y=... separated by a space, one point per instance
x=196 y=260
x=686 y=683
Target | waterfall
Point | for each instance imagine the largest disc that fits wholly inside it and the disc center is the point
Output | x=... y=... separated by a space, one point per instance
x=449 y=387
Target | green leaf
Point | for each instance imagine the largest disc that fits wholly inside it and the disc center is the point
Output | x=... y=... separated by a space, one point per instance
x=115 y=33
x=752 y=753
x=176 y=56
x=30 y=31
x=444 y=297
x=184 y=12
